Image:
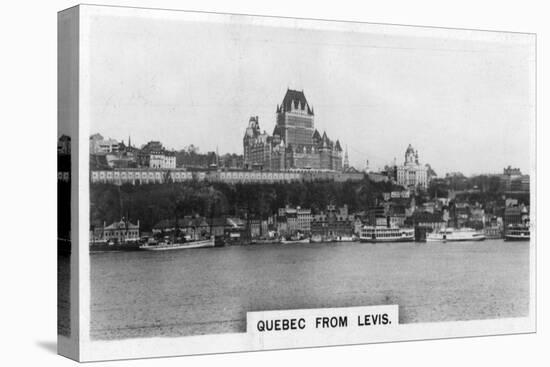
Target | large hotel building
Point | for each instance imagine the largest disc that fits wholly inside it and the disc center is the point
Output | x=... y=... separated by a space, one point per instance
x=294 y=144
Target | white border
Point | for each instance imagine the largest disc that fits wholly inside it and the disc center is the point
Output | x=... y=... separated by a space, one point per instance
x=157 y=347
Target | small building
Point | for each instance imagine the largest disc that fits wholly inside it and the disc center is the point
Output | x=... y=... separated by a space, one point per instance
x=516 y=215
x=294 y=220
x=100 y=145
x=333 y=222
x=217 y=226
x=118 y=232
x=154 y=155
x=192 y=228
x=434 y=221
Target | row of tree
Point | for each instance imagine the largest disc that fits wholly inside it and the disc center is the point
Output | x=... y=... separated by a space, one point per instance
x=152 y=203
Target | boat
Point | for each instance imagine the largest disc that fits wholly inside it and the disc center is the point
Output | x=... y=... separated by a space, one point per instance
x=492 y=232
x=316 y=238
x=519 y=232
x=265 y=241
x=303 y=240
x=103 y=245
x=455 y=234
x=376 y=234
x=169 y=245
x=343 y=239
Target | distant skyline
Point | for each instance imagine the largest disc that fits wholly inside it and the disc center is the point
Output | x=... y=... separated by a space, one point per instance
x=465 y=100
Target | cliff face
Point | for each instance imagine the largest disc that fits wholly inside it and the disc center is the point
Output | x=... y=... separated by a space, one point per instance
x=152 y=203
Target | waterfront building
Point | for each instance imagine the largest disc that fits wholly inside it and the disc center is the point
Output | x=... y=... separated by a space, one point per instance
x=434 y=221
x=303 y=219
x=291 y=220
x=295 y=143
x=514 y=215
x=357 y=225
x=192 y=228
x=254 y=227
x=217 y=226
x=333 y=222
x=412 y=174
x=118 y=232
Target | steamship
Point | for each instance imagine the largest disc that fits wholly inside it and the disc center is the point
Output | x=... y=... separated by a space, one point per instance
x=375 y=234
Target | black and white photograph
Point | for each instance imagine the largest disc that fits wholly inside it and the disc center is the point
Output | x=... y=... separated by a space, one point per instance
x=241 y=165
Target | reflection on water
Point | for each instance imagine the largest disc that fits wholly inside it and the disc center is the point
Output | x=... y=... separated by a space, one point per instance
x=204 y=291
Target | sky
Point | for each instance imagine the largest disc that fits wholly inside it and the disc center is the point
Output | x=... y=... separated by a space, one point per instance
x=464 y=100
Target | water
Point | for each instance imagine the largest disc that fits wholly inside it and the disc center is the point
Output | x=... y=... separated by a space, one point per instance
x=205 y=291
x=63 y=293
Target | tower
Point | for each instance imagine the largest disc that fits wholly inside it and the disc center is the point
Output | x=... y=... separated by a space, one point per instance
x=410 y=155
x=295 y=119
x=346 y=160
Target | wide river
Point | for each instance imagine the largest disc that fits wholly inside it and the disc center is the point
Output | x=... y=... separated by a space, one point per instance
x=204 y=291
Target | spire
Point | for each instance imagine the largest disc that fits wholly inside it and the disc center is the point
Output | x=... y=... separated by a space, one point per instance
x=129 y=142
x=346 y=161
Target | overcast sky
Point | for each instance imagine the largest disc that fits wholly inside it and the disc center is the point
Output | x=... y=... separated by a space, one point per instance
x=465 y=103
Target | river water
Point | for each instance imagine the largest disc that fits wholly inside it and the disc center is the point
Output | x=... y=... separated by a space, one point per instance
x=205 y=291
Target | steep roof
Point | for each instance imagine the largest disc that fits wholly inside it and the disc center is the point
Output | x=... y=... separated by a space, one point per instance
x=296 y=98
x=277 y=131
x=316 y=135
x=122 y=225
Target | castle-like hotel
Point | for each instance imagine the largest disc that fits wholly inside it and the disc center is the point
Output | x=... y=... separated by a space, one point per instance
x=294 y=144
x=296 y=151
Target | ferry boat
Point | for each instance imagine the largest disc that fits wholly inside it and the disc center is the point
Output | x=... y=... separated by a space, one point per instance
x=517 y=233
x=386 y=234
x=169 y=245
x=453 y=234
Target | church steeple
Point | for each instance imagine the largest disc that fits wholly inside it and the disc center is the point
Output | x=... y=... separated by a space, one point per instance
x=346 y=161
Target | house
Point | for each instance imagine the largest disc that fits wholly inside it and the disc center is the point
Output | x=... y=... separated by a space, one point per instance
x=118 y=232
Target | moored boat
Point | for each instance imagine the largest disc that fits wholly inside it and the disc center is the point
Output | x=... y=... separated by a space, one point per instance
x=455 y=234
x=376 y=234
x=343 y=239
x=168 y=245
x=265 y=241
x=316 y=238
x=303 y=240
x=517 y=233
